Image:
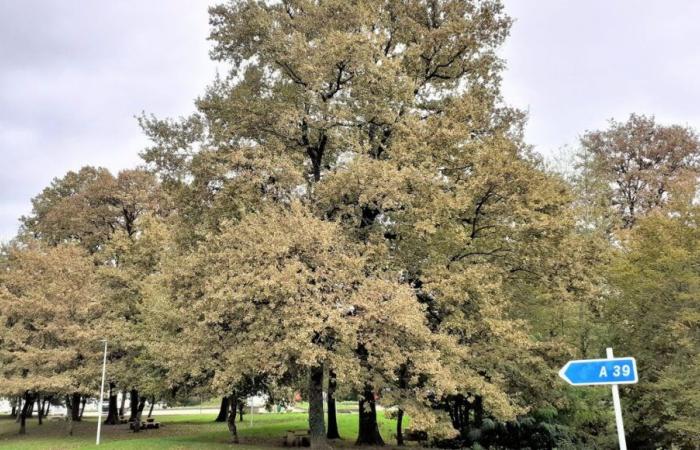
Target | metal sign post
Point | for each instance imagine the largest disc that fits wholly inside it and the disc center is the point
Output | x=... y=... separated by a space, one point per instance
x=610 y=371
x=618 y=408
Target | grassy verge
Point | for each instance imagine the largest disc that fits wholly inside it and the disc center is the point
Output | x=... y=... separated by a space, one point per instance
x=177 y=432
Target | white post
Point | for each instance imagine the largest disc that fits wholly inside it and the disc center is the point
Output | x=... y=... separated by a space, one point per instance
x=251 y=405
x=102 y=393
x=618 y=409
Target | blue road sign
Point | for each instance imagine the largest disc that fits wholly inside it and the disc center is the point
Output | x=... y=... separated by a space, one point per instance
x=584 y=372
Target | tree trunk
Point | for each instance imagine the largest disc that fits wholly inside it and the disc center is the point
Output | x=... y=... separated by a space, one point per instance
x=330 y=400
x=223 y=411
x=23 y=414
x=133 y=403
x=42 y=406
x=112 y=411
x=399 y=427
x=139 y=412
x=39 y=410
x=70 y=407
x=241 y=406
x=232 y=419
x=122 y=403
x=30 y=409
x=75 y=407
x=48 y=407
x=82 y=407
x=478 y=411
x=20 y=404
x=317 y=425
x=368 y=433
x=150 y=409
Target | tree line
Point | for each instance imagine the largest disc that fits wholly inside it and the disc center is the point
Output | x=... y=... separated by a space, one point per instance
x=352 y=209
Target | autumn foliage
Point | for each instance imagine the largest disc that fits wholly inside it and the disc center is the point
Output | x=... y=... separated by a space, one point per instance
x=353 y=205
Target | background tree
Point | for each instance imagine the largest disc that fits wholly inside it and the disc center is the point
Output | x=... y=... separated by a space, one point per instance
x=654 y=314
x=129 y=260
x=640 y=165
x=637 y=186
x=103 y=214
x=51 y=311
x=88 y=206
x=76 y=208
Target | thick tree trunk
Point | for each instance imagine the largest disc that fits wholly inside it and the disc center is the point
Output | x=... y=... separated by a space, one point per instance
x=122 y=403
x=317 y=425
x=368 y=433
x=330 y=400
x=75 y=407
x=23 y=414
x=150 y=409
x=223 y=411
x=241 y=406
x=133 y=403
x=399 y=427
x=232 y=418
x=70 y=408
x=112 y=411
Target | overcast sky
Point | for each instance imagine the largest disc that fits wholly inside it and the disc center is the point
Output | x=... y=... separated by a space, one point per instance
x=74 y=73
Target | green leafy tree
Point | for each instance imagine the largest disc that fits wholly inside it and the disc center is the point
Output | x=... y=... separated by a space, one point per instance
x=655 y=316
x=637 y=187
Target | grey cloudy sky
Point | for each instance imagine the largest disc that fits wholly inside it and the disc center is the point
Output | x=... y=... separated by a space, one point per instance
x=73 y=73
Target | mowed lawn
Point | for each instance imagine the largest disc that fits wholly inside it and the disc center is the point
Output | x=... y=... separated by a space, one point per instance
x=177 y=432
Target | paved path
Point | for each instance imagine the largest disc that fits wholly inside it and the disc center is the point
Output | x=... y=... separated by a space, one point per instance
x=166 y=411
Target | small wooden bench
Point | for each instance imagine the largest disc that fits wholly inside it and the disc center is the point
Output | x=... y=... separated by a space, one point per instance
x=151 y=423
x=297 y=438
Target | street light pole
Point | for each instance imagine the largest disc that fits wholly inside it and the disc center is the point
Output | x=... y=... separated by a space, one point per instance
x=102 y=393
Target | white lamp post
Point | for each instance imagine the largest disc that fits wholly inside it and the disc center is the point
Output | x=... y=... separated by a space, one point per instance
x=102 y=393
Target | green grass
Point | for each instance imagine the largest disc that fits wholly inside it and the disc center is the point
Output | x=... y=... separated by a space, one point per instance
x=177 y=432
